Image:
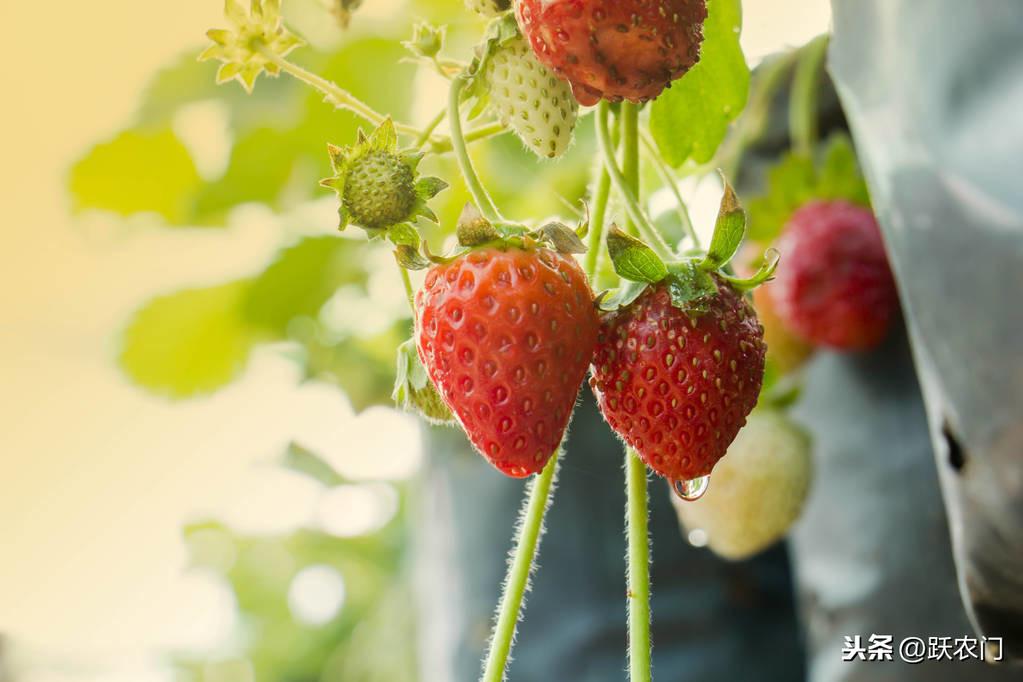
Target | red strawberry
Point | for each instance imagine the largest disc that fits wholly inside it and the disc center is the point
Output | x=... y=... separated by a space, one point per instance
x=677 y=385
x=834 y=287
x=615 y=49
x=506 y=334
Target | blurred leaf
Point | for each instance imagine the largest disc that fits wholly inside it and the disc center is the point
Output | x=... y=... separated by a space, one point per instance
x=690 y=120
x=362 y=366
x=304 y=461
x=189 y=342
x=139 y=170
x=301 y=279
x=796 y=180
x=261 y=163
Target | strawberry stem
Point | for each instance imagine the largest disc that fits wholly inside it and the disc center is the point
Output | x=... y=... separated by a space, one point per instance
x=636 y=215
x=472 y=181
x=520 y=568
x=638 y=576
x=668 y=178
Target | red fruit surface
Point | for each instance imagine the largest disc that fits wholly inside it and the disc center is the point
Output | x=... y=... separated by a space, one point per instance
x=615 y=49
x=678 y=386
x=833 y=286
x=506 y=335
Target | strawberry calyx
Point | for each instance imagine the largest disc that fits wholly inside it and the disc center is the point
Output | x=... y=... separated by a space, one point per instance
x=475 y=232
x=415 y=392
x=692 y=280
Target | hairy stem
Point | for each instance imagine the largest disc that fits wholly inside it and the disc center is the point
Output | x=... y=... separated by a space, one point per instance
x=624 y=188
x=635 y=470
x=598 y=220
x=803 y=98
x=445 y=144
x=334 y=93
x=472 y=181
x=424 y=136
x=520 y=567
x=409 y=292
x=639 y=568
x=672 y=184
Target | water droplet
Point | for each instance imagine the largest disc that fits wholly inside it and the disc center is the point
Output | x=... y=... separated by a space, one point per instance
x=693 y=489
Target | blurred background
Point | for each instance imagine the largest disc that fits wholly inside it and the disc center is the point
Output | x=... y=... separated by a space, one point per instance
x=233 y=514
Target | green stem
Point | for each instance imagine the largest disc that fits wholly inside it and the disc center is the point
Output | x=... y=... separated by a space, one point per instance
x=803 y=97
x=628 y=194
x=521 y=567
x=635 y=470
x=409 y=292
x=334 y=93
x=472 y=181
x=598 y=220
x=672 y=184
x=424 y=136
x=639 y=568
x=482 y=132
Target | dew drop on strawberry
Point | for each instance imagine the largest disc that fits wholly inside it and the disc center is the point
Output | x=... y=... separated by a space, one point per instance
x=692 y=489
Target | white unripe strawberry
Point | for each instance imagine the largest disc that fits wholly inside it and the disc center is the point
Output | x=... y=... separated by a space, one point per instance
x=756 y=491
x=529 y=98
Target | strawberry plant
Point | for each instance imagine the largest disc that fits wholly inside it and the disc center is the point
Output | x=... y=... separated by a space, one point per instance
x=508 y=309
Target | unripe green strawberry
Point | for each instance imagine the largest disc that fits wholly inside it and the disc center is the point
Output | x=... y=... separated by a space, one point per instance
x=377 y=183
x=488 y=8
x=530 y=98
x=757 y=490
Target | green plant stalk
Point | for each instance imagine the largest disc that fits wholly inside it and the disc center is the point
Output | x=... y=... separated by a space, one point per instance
x=803 y=97
x=672 y=184
x=598 y=220
x=479 y=193
x=635 y=213
x=334 y=93
x=409 y=292
x=482 y=132
x=638 y=577
x=521 y=566
x=427 y=132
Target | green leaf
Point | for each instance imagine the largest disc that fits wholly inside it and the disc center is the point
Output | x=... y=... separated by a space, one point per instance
x=768 y=264
x=138 y=171
x=623 y=295
x=796 y=180
x=690 y=120
x=689 y=286
x=301 y=279
x=404 y=234
x=729 y=231
x=839 y=176
x=632 y=259
x=190 y=342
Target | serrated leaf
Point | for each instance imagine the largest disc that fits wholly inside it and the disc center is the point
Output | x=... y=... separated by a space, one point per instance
x=137 y=171
x=301 y=279
x=729 y=231
x=632 y=259
x=689 y=120
x=190 y=342
x=689 y=286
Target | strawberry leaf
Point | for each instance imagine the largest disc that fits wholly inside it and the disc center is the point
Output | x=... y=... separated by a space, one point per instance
x=690 y=120
x=729 y=231
x=632 y=259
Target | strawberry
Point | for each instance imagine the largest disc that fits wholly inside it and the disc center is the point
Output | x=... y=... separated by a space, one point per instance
x=488 y=8
x=758 y=490
x=529 y=98
x=835 y=288
x=680 y=357
x=615 y=49
x=506 y=333
x=676 y=385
